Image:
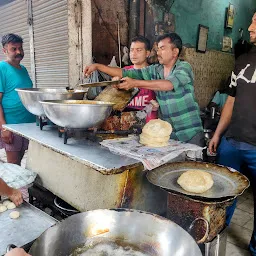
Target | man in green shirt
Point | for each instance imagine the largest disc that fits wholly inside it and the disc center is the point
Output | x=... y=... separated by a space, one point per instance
x=172 y=80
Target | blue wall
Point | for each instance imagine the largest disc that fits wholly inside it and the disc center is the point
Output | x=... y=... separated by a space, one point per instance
x=211 y=13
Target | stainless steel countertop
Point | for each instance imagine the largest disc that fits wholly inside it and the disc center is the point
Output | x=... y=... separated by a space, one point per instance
x=89 y=153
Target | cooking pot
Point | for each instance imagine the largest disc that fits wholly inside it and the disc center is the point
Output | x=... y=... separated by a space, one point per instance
x=107 y=231
x=30 y=97
x=77 y=114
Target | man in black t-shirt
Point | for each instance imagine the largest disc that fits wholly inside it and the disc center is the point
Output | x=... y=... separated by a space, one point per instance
x=238 y=119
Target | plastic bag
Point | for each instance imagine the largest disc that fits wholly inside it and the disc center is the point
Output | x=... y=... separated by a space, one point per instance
x=93 y=92
x=95 y=77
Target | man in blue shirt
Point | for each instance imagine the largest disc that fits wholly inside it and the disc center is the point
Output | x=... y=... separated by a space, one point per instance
x=13 y=75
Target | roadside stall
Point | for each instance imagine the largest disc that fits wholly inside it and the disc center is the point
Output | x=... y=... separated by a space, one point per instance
x=102 y=169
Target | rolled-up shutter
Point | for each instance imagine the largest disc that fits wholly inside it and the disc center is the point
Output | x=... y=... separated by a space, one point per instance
x=13 y=19
x=50 y=26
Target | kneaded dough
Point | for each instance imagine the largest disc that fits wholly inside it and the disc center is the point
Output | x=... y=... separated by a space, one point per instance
x=195 y=181
x=14 y=215
x=11 y=206
x=6 y=202
x=3 y=208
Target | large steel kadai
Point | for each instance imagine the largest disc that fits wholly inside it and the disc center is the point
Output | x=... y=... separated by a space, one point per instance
x=115 y=232
x=30 y=97
x=77 y=114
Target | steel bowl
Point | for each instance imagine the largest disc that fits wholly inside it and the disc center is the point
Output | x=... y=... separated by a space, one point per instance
x=77 y=114
x=30 y=97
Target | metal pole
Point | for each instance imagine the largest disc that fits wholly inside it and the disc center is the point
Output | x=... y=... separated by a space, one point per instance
x=119 y=42
x=31 y=42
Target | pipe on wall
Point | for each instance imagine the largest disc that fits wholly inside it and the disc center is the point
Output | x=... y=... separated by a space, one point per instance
x=134 y=18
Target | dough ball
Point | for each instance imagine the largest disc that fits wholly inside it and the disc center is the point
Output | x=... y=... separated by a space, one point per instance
x=195 y=181
x=157 y=128
x=11 y=206
x=3 y=208
x=6 y=202
x=14 y=215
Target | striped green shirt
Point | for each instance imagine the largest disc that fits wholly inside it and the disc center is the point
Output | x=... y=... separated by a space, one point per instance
x=178 y=106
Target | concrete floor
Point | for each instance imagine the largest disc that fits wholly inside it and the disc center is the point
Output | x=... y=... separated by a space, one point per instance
x=241 y=227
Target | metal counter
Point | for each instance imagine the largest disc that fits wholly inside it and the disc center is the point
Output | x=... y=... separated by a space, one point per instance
x=87 y=175
x=89 y=153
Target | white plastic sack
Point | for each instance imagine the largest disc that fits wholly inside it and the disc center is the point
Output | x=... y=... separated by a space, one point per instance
x=15 y=176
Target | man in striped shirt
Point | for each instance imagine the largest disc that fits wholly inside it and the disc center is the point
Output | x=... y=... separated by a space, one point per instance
x=172 y=80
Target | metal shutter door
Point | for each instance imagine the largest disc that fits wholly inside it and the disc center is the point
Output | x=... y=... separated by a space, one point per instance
x=50 y=25
x=13 y=19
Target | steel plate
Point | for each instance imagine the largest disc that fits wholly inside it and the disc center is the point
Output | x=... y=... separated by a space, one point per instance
x=227 y=181
x=28 y=227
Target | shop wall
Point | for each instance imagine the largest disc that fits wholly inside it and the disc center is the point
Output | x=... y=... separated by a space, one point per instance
x=104 y=28
x=188 y=14
x=213 y=67
x=211 y=70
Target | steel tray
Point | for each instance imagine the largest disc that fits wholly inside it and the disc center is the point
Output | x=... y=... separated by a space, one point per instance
x=227 y=181
x=22 y=231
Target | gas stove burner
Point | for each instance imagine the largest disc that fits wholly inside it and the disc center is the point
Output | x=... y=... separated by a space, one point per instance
x=42 y=120
x=94 y=135
x=43 y=199
x=77 y=133
x=64 y=207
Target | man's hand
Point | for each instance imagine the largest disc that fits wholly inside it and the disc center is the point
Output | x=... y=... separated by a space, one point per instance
x=6 y=136
x=16 y=196
x=214 y=144
x=17 y=252
x=89 y=69
x=126 y=83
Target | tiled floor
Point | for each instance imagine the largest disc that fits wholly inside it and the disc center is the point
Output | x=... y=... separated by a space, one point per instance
x=240 y=230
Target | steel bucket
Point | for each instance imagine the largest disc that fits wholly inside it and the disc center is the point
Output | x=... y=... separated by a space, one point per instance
x=30 y=97
x=142 y=231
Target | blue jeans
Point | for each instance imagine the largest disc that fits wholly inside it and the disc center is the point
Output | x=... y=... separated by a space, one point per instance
x=231 y=156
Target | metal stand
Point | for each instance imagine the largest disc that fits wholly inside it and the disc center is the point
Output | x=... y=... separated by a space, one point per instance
x=42 y=121
x=217 y=247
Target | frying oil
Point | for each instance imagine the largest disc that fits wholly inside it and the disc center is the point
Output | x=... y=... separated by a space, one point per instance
x=108 y=249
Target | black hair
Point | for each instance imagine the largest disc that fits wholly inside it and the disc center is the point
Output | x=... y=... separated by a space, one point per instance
x=174 y=39
x=142 y=39
x=11 y=38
